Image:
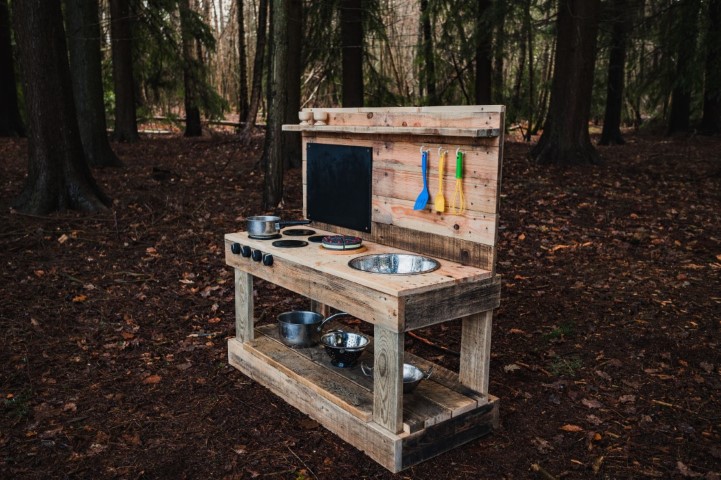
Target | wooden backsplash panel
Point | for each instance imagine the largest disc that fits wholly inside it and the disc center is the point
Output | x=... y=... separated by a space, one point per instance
x=468 y=238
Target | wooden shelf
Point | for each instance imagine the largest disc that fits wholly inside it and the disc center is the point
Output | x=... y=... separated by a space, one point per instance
x=420 y=131
x=341 y=399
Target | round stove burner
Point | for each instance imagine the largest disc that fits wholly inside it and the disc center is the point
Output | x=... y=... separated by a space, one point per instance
x=299 y=232
x=316 y=238
x=271 y=237
x=289 y=243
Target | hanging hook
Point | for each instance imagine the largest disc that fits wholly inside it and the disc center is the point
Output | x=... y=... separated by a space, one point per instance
x=458 y=150
x=422 y=147
x=439 y=151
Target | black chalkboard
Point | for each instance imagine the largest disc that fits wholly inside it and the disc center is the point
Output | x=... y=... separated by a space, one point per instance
x=339 y=185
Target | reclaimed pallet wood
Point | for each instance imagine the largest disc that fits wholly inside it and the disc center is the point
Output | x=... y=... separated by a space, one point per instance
x=429 y=429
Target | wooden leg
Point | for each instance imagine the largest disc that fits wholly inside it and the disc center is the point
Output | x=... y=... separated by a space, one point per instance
x=388 y=379
x=322 y=308
x=476 y=351
x=243 y=306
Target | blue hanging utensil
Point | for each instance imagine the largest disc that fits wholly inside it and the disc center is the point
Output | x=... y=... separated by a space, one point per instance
x=423 y=197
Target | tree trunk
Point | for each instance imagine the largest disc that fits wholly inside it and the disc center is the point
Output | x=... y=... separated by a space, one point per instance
x=58 y=177
x=531 y=72
x=685 y=15
x=243 y=106
x=11 y=124
x=83 y=23
x=191 y=67
x=274 y=148
x=428 y=69
x=515 y=110
x=293 y=142
x=351 y=33
x=565 y=139
x=711 y=120
x=497 y=72
x=484 y=39
x=257 y=88
x=126 y=125
x=620 y=24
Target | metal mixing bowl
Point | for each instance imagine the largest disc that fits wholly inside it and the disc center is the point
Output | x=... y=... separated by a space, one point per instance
x=344 y=348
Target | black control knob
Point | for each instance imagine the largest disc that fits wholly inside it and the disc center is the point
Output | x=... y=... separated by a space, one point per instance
x=245 y=251
x=235 y=248
x=267 y=259
x=257 y=255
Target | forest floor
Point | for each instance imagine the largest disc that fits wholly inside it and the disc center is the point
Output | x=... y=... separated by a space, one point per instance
x=606 y=348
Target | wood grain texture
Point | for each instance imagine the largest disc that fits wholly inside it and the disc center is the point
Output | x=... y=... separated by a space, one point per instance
x=465 y=252
x=476 y=351
x=388 y=379
x=464 y=299
x=244 y=306
x=447 y=435
x=376 y=442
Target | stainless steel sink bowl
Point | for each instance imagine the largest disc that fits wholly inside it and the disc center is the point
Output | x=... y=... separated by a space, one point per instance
x=394 y=264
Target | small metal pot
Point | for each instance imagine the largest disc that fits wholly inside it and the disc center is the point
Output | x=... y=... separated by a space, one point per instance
x=412 y=375
x=344 y=348
x=302 y=329
x=268 y=226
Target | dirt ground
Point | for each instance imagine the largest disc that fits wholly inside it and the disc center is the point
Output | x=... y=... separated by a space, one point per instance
x=606 y=347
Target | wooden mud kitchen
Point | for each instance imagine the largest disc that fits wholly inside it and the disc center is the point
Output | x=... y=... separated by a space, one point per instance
x=409 y=183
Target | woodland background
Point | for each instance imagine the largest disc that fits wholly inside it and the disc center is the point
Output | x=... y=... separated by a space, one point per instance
x=136 y=133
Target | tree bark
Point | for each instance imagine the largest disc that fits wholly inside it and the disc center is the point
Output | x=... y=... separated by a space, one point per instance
x=293 y=141
x=11 y=123
x=274 y=147
x=257 y=88
x=351 y=28
x=620 y=21
x=243 y=105
x=191 y=68
x=711 y=120
x=58 y=177
x=83 y=23
x=126 y=125
x=484 y=60
x=497 y=72
x=428 y=70
x=685 y=19
x=565 y=139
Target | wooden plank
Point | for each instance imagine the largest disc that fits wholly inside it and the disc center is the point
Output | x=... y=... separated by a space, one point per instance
x=318 y=307
x=461 y=300
x=471 y=226
x=404 y=183
x=445 y=436
x=312 y=263
x=449 y=132
x=388 y=379
x=476 y=351
x=480 y=161
x=465 y=252
x=447 y=378
x=243 y=305
x=470 y=116
x=418 y=410
x=323 y=381
x=376 y=442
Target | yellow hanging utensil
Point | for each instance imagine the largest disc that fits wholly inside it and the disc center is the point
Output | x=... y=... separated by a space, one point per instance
x=440 y=202
x=458 y=204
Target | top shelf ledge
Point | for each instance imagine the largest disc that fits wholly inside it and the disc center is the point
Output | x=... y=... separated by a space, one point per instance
x=373 y=130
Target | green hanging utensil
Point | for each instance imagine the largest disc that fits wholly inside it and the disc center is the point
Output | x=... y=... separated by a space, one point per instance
x=458 y=203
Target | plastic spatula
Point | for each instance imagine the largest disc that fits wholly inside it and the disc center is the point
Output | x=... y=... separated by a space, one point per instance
x=423 y=197
x=440 y=202
x=458 y=203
